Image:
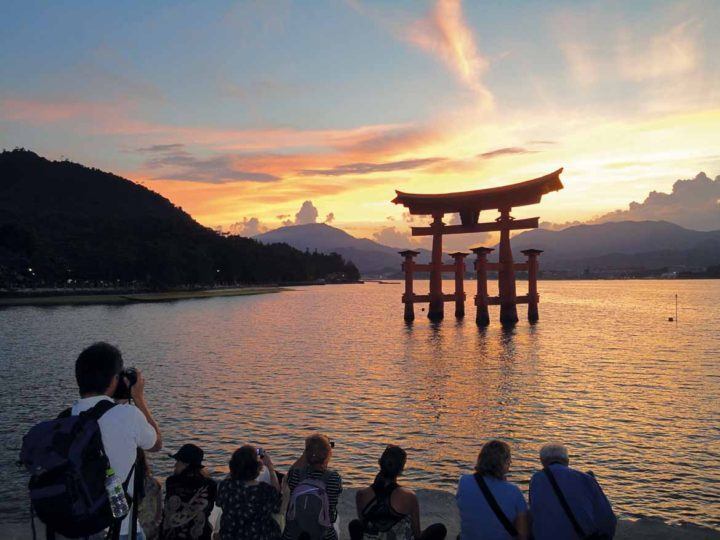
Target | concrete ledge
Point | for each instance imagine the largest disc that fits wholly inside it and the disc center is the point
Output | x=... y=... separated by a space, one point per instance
x=439 y=506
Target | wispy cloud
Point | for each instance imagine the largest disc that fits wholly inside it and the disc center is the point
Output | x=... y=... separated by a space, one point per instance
x=674 y=52
x=627 y=54
x=445 y=33
x=160 y=148
x=507 y=151
x=369 y=168
x=182 y=165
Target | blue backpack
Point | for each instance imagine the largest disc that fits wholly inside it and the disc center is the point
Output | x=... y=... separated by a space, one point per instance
x=67 y=461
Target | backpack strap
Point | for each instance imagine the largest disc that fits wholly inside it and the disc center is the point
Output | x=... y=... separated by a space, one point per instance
x=99 y=409
x=564 y=503
x=490 y=498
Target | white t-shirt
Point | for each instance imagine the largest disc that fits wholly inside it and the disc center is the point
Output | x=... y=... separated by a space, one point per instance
x=124 y=429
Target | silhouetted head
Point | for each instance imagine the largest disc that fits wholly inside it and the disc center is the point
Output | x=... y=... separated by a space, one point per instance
x=392 y=462
x=494 y=459
x=318 y=450
x=97 y=369
x=554 y=453
x=189 y=457
x=245 y=464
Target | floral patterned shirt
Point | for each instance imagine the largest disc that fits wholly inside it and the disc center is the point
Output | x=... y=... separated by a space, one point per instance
x=247 y=510
x=189 y=500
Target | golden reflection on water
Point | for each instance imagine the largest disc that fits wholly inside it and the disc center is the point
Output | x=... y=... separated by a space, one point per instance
x=637 y=399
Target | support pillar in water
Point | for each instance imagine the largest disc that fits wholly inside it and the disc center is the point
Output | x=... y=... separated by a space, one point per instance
x=533 y=298
x=481 y=298
x=506 y=273
x=459 y=283
x=408 y=298
x=436 y=309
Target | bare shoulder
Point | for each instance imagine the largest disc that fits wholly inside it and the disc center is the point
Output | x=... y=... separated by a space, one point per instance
x=404 y=500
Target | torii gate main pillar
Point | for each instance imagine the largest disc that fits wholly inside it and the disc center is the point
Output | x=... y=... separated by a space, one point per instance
x=436 y=310
x=506 y=272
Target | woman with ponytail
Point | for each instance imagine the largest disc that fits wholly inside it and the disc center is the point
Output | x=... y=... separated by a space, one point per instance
x=388 y=511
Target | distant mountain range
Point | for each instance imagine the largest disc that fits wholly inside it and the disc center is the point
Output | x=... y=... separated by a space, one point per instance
x=602 y=248
x=619 y=245
x=370 y=257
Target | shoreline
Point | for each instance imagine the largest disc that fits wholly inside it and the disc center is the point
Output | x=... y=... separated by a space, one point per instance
x=119 y=298
x=438 y=506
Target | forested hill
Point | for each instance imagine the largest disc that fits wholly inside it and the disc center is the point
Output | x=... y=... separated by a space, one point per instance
x=62 y=221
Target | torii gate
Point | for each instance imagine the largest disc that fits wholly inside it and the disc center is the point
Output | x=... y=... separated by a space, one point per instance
x=469 y=204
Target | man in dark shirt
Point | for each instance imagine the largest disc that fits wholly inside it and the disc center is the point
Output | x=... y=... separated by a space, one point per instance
x=189 y=498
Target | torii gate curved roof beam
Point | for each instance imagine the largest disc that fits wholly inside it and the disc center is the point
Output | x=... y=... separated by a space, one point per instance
x=467 y=203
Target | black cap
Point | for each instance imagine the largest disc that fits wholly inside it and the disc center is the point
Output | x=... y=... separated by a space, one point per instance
x=190 y=454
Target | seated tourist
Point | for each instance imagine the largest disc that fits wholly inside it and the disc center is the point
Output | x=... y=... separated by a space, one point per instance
x=150 y=508
x=314 y=492
x=248 y=505
x=388 y=511
x=491 y=508
x=189 y=497
x=565 y=503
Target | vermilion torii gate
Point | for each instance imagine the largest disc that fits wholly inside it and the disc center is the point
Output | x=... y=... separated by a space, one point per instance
x=469 y=204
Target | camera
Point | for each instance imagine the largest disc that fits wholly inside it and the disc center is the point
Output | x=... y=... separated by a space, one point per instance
x=260 y=452
x=123 y=390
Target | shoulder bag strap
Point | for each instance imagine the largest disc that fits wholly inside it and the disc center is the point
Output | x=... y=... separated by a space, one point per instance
x=137 y=487
x=564 y=503
x=509 y=527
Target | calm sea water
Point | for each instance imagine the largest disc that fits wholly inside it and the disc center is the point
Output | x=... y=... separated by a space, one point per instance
x=636 y=398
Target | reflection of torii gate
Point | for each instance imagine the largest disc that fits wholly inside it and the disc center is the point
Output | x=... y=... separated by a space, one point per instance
x=469 y=204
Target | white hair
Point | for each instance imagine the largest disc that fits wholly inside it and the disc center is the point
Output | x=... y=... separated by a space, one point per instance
x=554 y=453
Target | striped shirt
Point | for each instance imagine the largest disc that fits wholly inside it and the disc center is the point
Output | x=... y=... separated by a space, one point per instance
x=333 y=483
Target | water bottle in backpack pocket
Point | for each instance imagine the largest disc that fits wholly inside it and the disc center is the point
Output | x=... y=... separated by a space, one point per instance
x=309 y=509
x=67 y=461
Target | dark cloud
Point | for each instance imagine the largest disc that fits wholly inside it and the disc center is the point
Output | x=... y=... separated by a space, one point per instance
x=330 y=218
x=182 y=165
x=161 y=148
x=505 y=152
x=367 y=168
x=694 y=204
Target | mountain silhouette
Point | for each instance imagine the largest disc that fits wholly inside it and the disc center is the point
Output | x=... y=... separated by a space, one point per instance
x=370 y=257
x=62 y=221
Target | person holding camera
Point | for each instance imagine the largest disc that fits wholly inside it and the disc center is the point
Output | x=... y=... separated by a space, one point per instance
x=124 y=428
x=247 y=504
x=567 y=503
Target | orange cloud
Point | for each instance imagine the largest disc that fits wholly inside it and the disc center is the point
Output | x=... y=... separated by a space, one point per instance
x=445 y=34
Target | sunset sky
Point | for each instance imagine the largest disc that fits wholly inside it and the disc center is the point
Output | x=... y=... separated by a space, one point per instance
x=241 y=110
